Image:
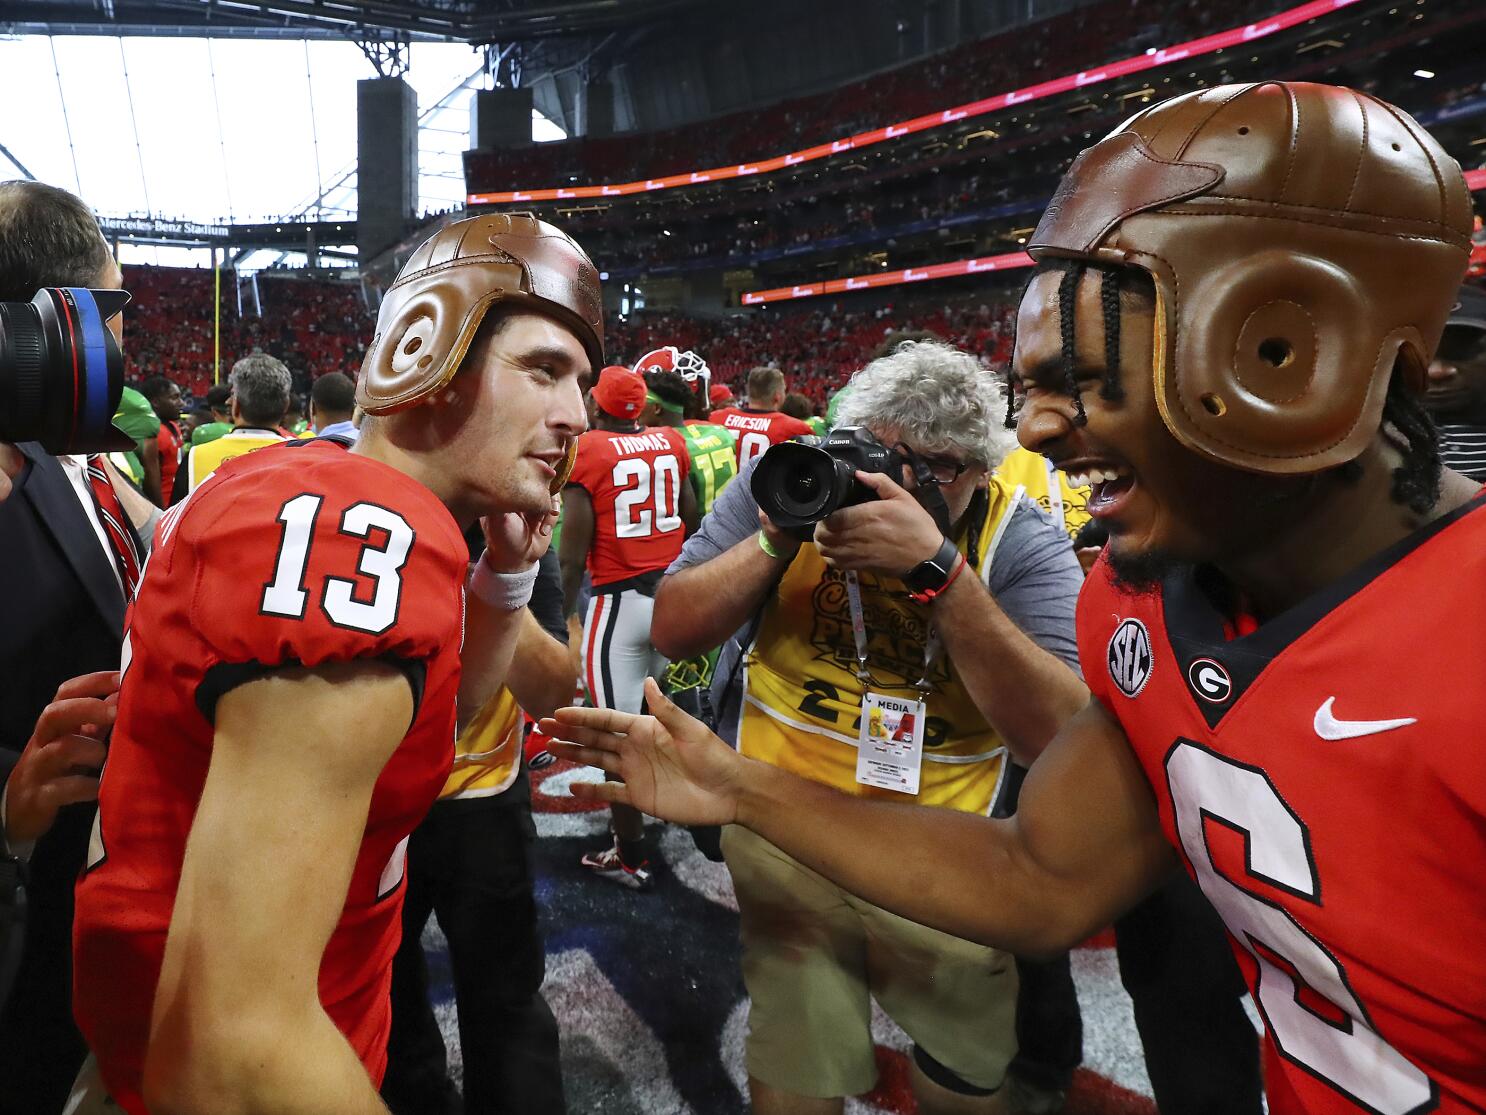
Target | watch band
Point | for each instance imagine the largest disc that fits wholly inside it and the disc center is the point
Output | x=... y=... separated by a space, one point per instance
x=929 y=578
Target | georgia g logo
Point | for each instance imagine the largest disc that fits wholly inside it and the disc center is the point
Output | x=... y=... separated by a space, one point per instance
x=1209 y=680
x=1130 y=657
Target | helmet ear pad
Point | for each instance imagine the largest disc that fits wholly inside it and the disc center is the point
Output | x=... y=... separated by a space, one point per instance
x=1275 y=360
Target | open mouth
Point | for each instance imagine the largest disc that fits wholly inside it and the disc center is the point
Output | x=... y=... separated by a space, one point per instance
x=1109 y=486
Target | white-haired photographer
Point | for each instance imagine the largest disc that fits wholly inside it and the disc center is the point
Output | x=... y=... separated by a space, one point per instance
x=915 y=642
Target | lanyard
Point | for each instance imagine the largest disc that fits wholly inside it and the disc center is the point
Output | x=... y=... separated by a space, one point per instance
x=859 y=632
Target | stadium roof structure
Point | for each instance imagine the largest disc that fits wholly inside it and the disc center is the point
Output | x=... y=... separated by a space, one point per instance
x=467 y=21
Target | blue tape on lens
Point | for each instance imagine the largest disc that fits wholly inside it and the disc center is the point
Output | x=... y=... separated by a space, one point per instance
x=94 y=359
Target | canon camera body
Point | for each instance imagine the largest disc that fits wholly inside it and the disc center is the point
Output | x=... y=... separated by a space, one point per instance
x=798 y=483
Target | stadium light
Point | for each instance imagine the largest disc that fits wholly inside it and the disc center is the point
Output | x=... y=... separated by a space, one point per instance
x=1194 y=48
x=1426 y=74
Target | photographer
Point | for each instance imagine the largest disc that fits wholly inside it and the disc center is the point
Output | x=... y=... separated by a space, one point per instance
x=68 y=559
x=981 y=658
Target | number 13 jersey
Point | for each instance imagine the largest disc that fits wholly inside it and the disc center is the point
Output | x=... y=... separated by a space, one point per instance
x=295 y=555
x=1324 y=778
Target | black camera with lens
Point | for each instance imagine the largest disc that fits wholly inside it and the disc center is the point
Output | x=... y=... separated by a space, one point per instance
x=61 y=371
x=798 y=484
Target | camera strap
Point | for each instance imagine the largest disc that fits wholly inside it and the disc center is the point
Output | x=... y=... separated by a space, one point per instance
x=932 y=646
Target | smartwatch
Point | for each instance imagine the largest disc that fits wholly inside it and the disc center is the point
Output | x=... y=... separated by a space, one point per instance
x=928 y=579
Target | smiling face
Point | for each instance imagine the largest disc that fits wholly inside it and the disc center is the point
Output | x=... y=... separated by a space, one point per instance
x=501 y=428
x=1162 y=503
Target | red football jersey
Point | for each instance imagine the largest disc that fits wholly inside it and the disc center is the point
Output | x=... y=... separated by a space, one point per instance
x=634 y=480
x=291 y=555
x=756 y=430
x=1323 y=778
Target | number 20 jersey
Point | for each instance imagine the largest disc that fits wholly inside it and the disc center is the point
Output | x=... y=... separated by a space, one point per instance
x=634 y=482
x=1324 y=778
x=291 y=555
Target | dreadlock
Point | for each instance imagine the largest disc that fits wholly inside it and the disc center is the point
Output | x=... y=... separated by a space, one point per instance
x=1416 y=482
x=1109 y=303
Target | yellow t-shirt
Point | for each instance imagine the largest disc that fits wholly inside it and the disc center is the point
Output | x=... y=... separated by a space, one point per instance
x=205 y=459
x=1050 y=488
x=802 y=699
x=487 y=754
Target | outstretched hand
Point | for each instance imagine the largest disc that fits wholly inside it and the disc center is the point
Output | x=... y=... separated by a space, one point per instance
x=669 y=764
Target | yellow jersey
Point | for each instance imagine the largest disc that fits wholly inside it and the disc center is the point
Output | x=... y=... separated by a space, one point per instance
x=802 y=699
x=487 y=754
x=1047 y=486
x=205 y=459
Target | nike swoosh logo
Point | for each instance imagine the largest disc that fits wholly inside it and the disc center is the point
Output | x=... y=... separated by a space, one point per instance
x=1329 y=727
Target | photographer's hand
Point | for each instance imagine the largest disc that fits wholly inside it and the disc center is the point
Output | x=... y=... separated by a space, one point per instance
x=11 y=462
x=888 y=535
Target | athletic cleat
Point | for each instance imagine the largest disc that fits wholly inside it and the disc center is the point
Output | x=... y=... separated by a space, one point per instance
x=608 y=864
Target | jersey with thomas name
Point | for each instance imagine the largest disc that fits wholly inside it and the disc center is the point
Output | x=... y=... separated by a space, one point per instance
x=1322 y=776
x=294 y=555
x=633 y=479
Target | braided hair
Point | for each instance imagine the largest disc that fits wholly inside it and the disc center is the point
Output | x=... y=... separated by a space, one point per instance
x=1110 y=285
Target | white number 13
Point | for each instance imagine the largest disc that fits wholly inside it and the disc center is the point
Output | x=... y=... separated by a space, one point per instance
x=287 y=594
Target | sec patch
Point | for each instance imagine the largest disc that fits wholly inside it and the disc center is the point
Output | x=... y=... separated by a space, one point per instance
x=1129 y=657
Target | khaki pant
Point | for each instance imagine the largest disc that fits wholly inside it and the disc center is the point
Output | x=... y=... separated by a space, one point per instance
x=813 y=959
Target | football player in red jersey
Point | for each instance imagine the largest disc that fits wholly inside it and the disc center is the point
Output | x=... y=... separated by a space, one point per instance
x=626 y=511
x=761 y=423
x=295 y=665
x=1229 y=338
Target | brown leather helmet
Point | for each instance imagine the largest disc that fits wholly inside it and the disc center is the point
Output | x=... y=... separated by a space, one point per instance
x=1301 y=237
x=430 y=313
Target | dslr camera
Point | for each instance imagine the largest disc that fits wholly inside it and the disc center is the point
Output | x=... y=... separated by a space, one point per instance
x=798 y=484
x=61 y=371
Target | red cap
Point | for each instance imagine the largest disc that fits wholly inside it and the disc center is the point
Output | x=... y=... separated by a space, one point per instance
x=720 y=393
x=619 y=392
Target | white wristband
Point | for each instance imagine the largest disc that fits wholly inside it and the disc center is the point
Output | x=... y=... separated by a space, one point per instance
x=506 y=591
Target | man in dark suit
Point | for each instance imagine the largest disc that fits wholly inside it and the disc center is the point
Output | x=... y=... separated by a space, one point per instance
x=62 y=593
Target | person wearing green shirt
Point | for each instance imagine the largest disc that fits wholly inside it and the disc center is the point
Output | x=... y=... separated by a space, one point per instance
x=714 y=463
x=136 y=417
x=219 y=402
x=667 y=398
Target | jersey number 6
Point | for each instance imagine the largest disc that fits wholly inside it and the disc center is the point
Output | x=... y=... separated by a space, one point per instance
x=287 y=595
x=1349 y=1054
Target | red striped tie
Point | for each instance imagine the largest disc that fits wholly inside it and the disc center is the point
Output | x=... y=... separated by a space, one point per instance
x=111 y=515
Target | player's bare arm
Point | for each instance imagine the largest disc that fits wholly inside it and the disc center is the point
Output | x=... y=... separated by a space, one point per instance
x=691 y=513
x=237 y=1024
x=1025 y=693
x=698 y=608
x=514 y=543
x=542 y=674
x=577 y=539
x=1084 y=846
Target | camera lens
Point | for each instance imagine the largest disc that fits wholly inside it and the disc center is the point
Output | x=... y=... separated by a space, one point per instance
x=795 y=484
x=802 y=487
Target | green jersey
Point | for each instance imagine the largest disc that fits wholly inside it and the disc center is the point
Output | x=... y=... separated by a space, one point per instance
x=714 y=462
x=210 y=431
